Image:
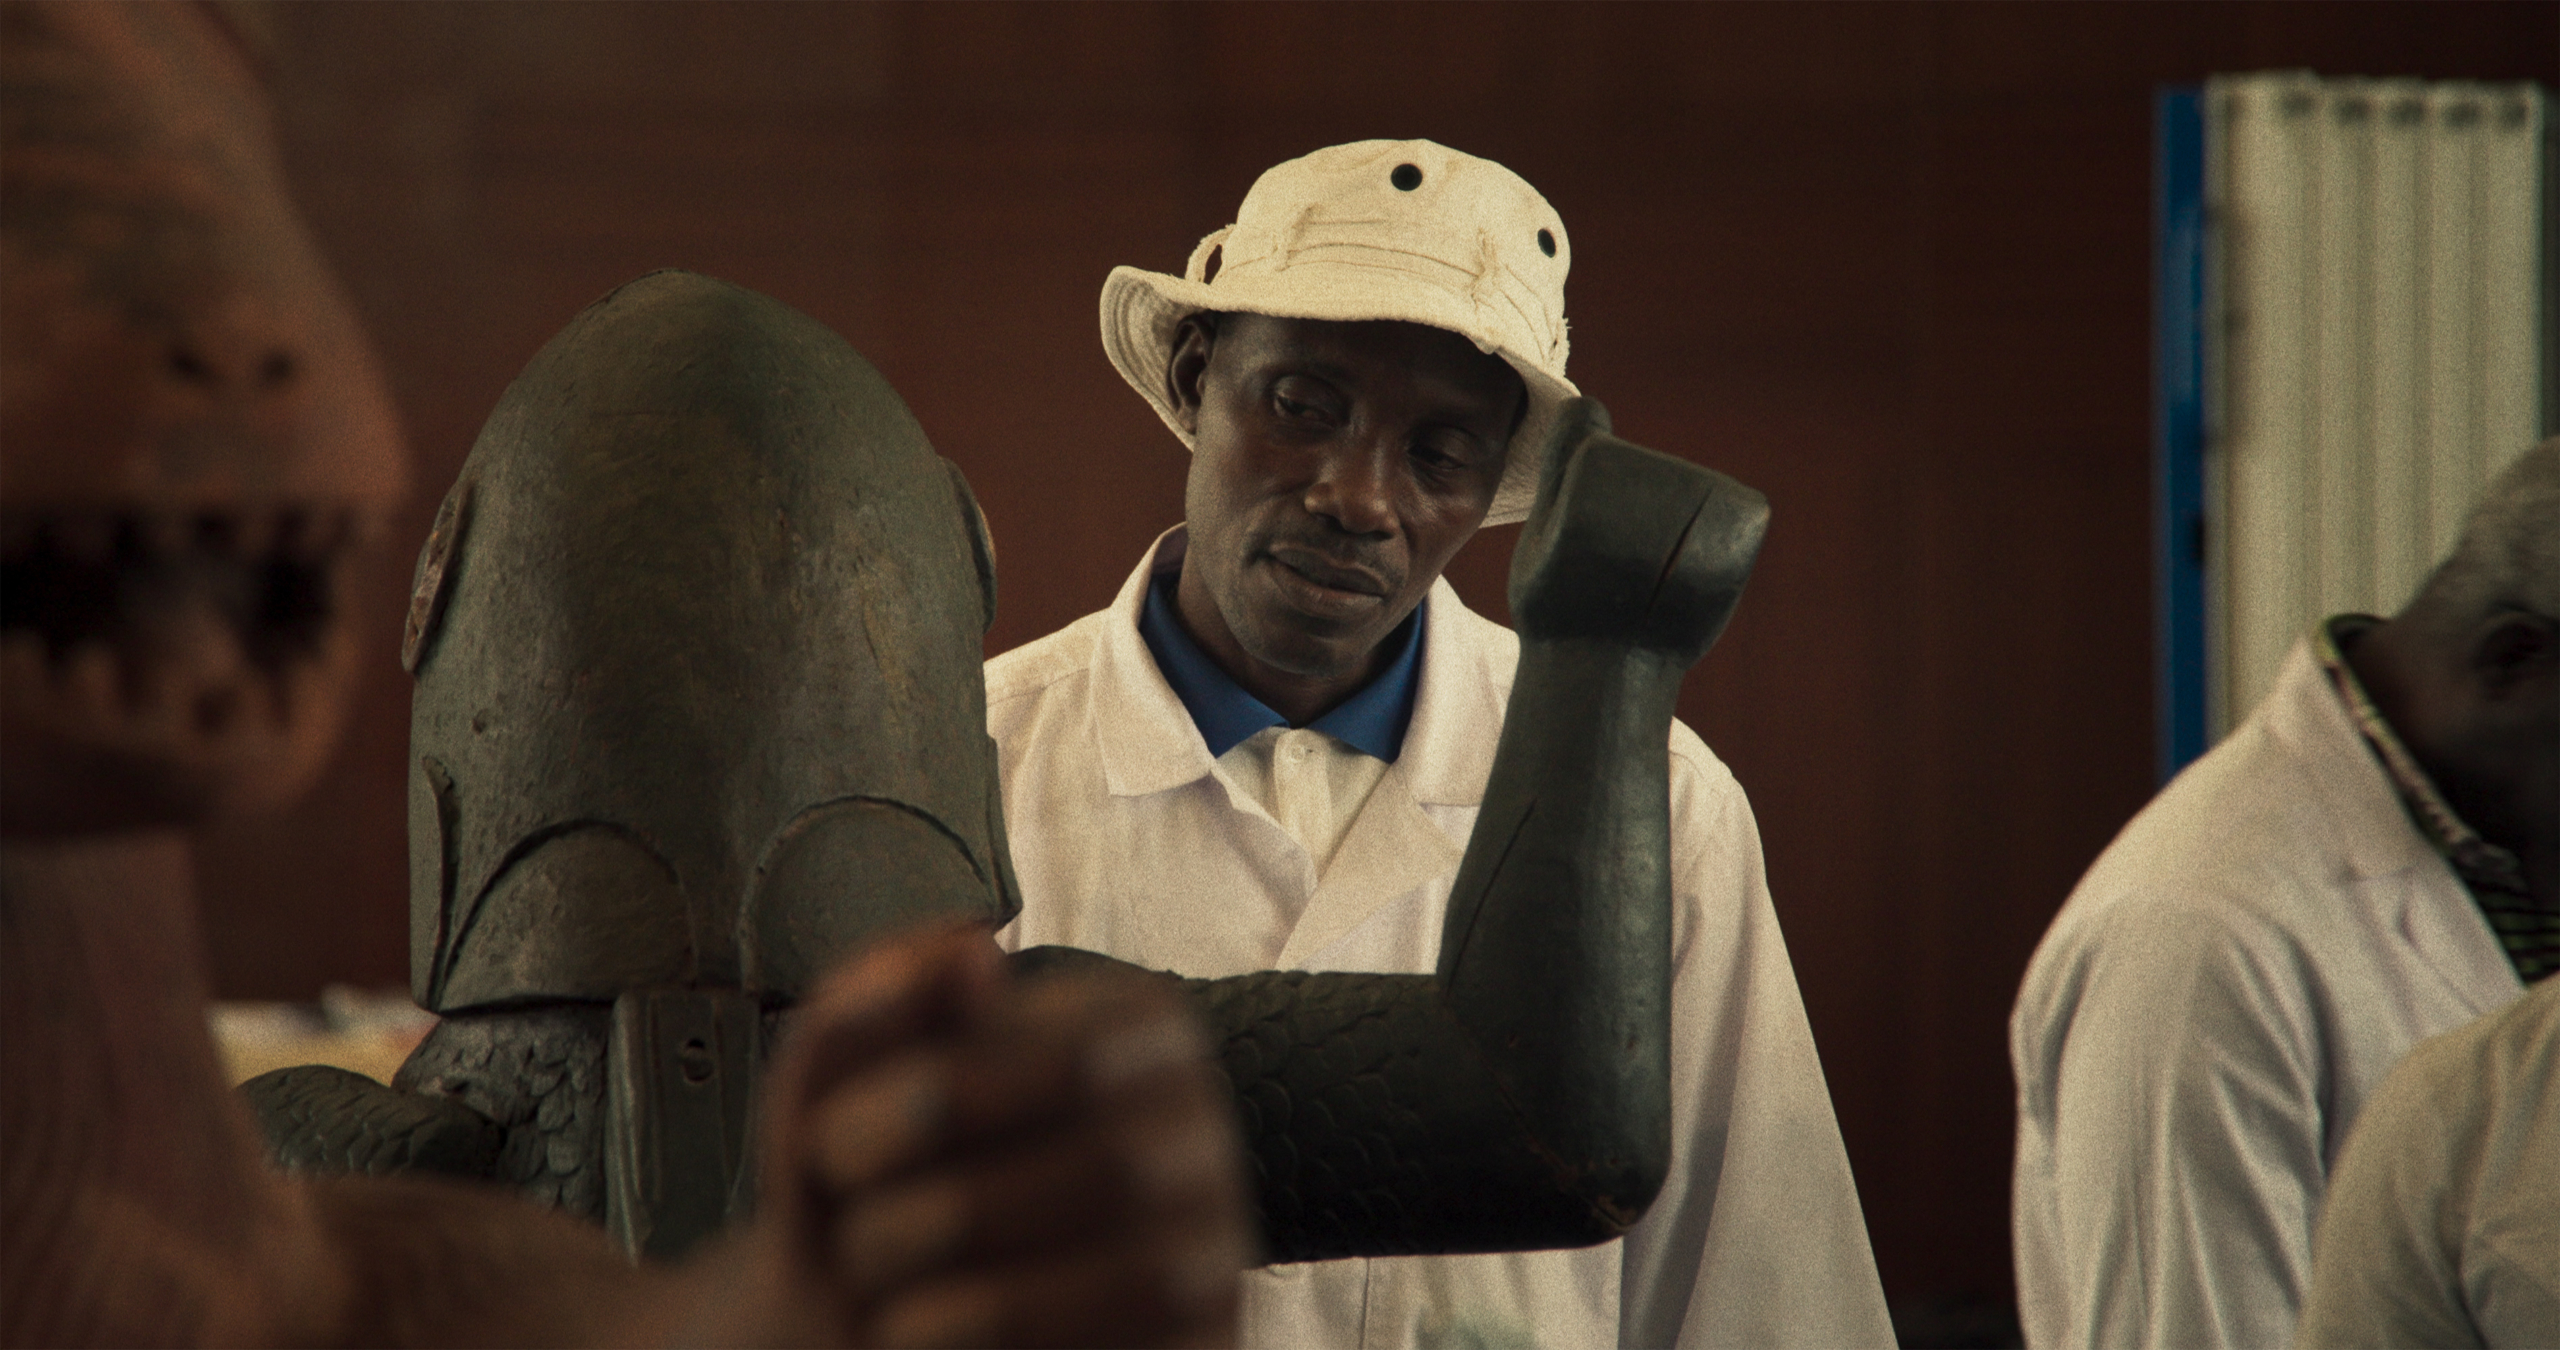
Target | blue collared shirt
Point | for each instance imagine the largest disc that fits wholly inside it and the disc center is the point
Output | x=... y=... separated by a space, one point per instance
x=1371 y=721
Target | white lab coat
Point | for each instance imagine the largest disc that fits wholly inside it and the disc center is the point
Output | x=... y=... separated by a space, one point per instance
x=2204 y=1019
x=1125 y=842
x=2443 y=1222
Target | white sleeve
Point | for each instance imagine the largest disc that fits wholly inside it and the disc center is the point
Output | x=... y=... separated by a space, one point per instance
x=2187 y=1143
x=1756 y=1238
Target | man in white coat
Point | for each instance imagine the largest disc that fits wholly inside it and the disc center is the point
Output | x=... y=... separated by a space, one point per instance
x=2371 y=859
x=1269 y=751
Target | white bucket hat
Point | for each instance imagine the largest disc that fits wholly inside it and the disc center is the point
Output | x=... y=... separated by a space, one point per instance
x=1406 y=230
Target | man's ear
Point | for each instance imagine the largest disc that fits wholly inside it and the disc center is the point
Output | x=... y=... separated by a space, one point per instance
x=2515 y=651
x=1193 y=341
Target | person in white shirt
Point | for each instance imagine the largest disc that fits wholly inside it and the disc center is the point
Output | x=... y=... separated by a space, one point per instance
x=1269 y=751
x=2443 y=1221
x=2372 y=858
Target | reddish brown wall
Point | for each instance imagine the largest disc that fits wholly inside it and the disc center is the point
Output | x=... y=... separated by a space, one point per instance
x=1888 y=263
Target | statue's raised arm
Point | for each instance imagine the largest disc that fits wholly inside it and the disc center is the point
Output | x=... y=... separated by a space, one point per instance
x=1519 y=1097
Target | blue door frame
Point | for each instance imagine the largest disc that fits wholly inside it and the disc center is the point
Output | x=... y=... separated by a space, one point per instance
x=2178 y=411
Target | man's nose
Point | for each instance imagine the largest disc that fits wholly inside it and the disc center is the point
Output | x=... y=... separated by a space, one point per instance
x=1354 y=488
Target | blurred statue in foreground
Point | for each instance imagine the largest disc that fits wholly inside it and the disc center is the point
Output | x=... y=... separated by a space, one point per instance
x=192 y=435
x=699 y=706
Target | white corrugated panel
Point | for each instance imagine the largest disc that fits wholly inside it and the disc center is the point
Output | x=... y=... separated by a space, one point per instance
x=2453 y=224
x=2507 y=188
x=2397 y=339
x=2378 y=352
x=2340 y=559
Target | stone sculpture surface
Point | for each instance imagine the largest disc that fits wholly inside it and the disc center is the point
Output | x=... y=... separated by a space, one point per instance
x=696 y=637
x=699 y=702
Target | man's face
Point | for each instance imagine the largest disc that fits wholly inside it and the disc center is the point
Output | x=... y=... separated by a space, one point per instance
x=1336 y=468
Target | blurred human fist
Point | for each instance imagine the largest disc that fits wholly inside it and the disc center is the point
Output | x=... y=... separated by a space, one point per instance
x=955 y=1157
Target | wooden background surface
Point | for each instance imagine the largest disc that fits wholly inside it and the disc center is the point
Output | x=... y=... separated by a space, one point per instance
x=1889 y=263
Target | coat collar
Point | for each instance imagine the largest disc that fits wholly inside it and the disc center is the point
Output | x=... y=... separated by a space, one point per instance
x=2483 y=866
x=2374 y=836
x=1371 y=721
x=1467 y=664
x=1148 y=742
x=1145 y=737
x=2307 y=716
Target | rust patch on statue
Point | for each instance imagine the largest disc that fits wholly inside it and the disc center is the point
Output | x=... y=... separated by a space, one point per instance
x=427 y=594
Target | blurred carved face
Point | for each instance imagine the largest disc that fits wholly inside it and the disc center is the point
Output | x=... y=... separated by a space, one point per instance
x=193 y=433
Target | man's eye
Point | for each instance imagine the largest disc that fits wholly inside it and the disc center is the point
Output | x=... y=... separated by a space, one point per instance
x=1301 y=411
x=1302 y=400
x=1441 y=458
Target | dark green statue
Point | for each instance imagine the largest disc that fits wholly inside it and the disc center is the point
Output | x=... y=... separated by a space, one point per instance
x=699 y=708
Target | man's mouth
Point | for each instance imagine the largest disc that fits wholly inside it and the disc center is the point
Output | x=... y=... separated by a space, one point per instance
x=1321 y=571
x=1318 y=588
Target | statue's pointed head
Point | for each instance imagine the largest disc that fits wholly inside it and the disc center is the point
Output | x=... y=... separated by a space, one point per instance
x=696 y=637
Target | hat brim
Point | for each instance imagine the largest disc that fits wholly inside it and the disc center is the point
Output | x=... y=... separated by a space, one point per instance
x=1141 y=310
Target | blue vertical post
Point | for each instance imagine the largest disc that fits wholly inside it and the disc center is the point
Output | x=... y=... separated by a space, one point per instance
x=2178 y=386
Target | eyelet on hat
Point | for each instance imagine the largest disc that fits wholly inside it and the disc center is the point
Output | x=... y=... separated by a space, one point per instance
x=1407 y=177
x=1547 y=243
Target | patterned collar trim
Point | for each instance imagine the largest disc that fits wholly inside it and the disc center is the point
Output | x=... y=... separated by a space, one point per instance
x=2483 y=866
